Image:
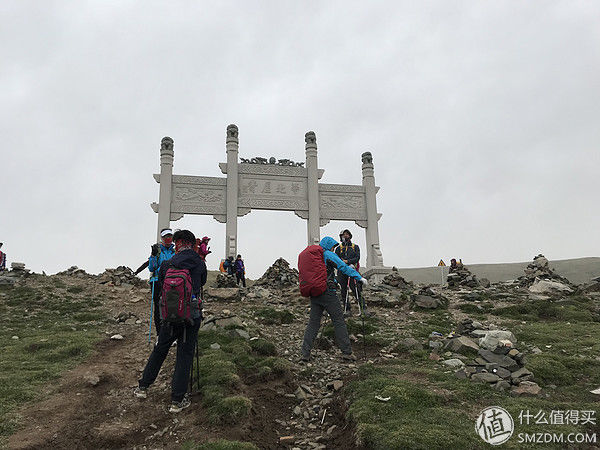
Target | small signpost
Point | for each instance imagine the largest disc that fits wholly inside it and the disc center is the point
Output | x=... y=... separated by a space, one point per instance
x=441 y=265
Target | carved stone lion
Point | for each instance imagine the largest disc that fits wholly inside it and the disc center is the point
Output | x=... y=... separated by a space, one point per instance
x=367 y=158
x=232 y=131
x=166 y=143
x=310 y=138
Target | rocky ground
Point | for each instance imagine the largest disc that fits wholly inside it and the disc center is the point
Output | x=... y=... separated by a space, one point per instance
x=456 y=332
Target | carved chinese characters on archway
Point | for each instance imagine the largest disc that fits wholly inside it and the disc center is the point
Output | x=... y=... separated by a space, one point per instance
x=274 y=192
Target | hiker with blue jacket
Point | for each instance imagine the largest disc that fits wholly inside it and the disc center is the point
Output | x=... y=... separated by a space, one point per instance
x=159 y=253
x=185 y=332
x=329 y=302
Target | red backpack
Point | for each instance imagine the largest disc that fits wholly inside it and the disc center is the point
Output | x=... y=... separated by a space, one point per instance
x=176 y=296
x=313 y=273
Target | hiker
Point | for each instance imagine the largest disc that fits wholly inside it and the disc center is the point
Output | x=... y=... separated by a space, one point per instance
x=453 y=266
x=2 y=258
x=229 y=265
x=349 y=253
x=159 y=253
x=185 y=262
x=240 y=270
x=317 y=273
x=203 y=248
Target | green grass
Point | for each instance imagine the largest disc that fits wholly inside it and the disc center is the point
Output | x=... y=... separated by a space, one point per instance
x=222 y=373
x=272 y=316
x=572 y=309
x=429 y=408
x=75 y=289
x=55 y=333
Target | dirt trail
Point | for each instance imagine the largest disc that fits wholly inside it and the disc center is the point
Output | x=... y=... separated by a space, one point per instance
x=92 y=405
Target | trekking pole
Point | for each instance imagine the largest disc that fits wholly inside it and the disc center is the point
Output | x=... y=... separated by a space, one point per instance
x=151 y=308
x=362 y=316
x=346 y=302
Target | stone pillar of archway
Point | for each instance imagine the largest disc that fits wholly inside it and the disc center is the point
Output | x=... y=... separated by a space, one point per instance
x=374 y=256
x=312 y=167
x=232 y=145
x=166 y=175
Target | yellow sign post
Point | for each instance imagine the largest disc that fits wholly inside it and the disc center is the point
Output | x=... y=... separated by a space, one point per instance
x=441 y=265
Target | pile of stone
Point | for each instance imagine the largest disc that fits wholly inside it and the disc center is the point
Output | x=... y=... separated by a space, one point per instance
x=280 y=274
x=427 y=298
x=541 y=279
x=462 y=277
x=121 y=276
x=74 y=271
x=224 y=281
x=394 y=279
x=592 y=286
x=18 y=270
x=489 y=356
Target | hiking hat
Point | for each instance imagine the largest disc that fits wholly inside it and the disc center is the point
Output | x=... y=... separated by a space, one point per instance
x=206 y=238
x=346 y=231
x=166 y=231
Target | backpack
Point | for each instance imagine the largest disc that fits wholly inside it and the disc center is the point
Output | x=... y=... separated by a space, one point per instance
x=176 y=297
x=312 y=271
x=343 y=247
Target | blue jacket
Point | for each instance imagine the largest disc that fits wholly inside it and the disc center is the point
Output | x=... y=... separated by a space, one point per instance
x=333 y=261
x=154 y=262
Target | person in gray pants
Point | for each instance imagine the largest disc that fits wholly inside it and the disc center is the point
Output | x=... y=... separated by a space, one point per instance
x=330 y=302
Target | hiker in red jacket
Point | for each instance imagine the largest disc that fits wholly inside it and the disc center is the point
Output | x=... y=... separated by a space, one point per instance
x=325 y=298
x=2 y=259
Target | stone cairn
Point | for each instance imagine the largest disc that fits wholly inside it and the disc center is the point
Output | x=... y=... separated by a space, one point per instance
x=74 y=271
x=486 y=356
x=538 y=270
x=122 y=275
x=224 y=281
x=278 y=275
x=394 y=279
x=17 y=271
x=462 y=277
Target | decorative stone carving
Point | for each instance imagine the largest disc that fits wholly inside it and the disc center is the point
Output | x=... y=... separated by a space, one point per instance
x=200 y=194
x=343 y=202
x=310 y=138
x=367 y=158
x=272 y=160
x=176 y=216
x=232 y=133
x=166 y=144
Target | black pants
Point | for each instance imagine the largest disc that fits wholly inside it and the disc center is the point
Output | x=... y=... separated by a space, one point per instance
x=156 y=306
x=186 y=344
x=355 y=289
x=330 y=303
x=241 y=276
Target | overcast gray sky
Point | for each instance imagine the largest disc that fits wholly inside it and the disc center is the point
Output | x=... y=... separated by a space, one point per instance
x=482 y=117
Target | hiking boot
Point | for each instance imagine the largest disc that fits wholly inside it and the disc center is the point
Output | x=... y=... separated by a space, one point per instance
x=305 y=359
x=349 y=357
x=178 y=406
x=140 y=392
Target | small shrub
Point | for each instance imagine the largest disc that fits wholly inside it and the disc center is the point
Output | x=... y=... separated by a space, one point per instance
x=263 y=347
x=230 y=410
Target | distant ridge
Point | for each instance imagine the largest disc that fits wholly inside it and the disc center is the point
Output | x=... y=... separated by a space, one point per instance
x=577 y=270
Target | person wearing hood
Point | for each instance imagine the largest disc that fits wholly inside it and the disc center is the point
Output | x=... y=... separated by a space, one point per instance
x=328 y=301
x=186 y=333
x=350 y=254
x=203 y=248
x=159 y=253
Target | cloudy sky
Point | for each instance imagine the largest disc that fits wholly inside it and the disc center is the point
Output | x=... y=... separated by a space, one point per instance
x=482 y=117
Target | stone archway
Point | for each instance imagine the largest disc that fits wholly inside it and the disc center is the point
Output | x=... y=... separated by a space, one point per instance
x=270 y=184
